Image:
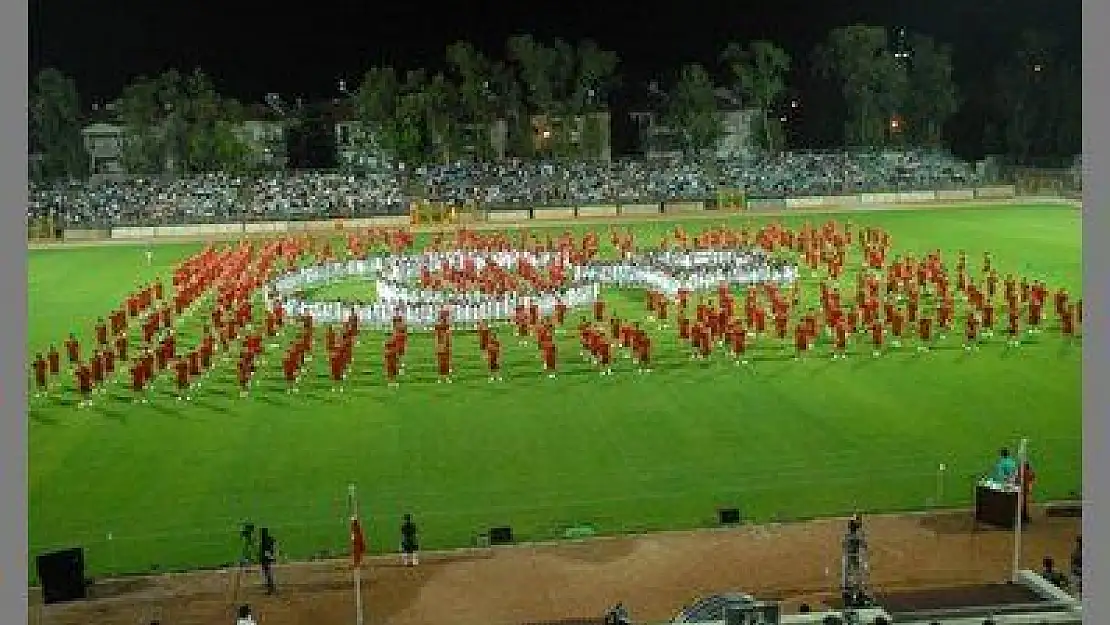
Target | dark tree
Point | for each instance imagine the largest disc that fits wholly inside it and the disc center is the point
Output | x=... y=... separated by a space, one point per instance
x=873 y=81
x=54 y=125
x=931 y=98
x=691 y=111
x=1037 y=103
x=759 y=74
x=311 y=140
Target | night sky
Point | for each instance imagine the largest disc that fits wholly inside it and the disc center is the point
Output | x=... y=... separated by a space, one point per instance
x=250 y=48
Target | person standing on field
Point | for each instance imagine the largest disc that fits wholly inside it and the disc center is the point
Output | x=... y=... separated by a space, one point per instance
x=267 y=557
x=40 y=367
x=409 y=545
x=1077 y=567
x=243 y=616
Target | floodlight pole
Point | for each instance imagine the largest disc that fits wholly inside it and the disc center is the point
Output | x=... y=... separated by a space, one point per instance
x=1019 y=512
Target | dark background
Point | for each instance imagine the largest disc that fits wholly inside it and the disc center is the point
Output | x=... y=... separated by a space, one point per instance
x=302 y=49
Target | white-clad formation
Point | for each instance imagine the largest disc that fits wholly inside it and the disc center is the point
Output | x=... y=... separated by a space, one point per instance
x=397 y=288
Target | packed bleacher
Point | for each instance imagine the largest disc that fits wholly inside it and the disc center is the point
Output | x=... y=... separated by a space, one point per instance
x=201 y=198
x=311 y=195
x=796 y=174
x=390 y=189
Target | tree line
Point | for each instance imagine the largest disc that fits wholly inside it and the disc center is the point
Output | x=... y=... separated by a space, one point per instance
x=887 y=93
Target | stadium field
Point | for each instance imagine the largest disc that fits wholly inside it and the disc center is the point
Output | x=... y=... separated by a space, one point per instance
x=165 y=485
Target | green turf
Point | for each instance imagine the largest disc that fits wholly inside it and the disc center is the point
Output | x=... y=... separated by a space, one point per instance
x=171 y=481
x=349 y=289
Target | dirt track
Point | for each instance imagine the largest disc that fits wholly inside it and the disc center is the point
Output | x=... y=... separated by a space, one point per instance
x=655 y=576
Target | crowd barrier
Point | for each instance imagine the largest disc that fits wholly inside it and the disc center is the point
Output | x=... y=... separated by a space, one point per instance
x=996 y=193
x=878 y=198
x=597 y=211
x=806 y=202
x=756 y=204
x=385 y=221
x=133 y=232
x=85 y=235
x=266 y=227
x=555 y=212
x=509 y=215
x=549 y=213
x=678 y=208
x=640 y=209
x=956 y=195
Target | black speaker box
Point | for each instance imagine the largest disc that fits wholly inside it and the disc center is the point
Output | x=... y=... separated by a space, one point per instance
x=62 y=575
x=728 y=516
x=501 y=535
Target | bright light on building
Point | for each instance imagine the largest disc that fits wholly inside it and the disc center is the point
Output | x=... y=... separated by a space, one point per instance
x=547 y=134
x=783 y=118
x=1037 y=67
x=895 y=124
x=793 y=104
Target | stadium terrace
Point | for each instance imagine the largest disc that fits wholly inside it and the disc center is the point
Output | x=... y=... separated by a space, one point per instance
x=216 y=197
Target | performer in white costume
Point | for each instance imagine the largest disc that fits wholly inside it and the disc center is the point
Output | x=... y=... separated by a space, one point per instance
x=395 y=277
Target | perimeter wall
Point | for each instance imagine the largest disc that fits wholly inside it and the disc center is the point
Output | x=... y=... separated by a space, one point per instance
x=863 y=202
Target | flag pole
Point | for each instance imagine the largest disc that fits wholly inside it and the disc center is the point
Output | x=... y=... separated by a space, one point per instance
x=1019 y=511
x=357 y=568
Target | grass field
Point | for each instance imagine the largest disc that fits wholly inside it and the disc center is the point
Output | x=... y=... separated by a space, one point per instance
x=166 y=485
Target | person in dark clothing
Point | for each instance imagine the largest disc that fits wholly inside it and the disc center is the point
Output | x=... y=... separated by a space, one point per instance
x=1077 y=566
x=617 y=615
x=243 y=616
x=409 y=545
x=1054 y=577
x=267 y=556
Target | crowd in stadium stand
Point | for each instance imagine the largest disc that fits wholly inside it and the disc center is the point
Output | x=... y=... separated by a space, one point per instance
x=308 y=195
x=795 y=174
x=302 y=195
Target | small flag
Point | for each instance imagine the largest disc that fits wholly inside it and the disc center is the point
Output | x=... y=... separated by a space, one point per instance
x=358 y=542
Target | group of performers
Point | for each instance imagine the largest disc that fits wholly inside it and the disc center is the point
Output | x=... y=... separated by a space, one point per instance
x=907 y=299
x=476 y=287
x=423 y=308
x=223 y=281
